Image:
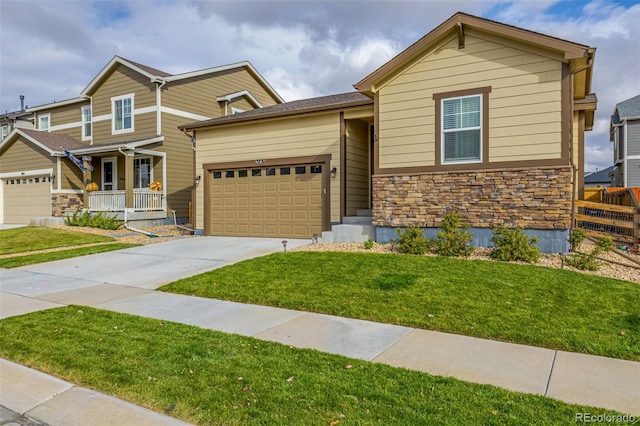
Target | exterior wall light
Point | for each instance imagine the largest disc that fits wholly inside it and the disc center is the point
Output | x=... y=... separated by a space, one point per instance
x=197 y=180
x=333 y=171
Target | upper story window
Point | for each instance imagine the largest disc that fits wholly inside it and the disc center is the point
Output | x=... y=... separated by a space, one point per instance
x=619 y=135
x=122 y=110
x=44 y=121
x=5 y=131
x=461 y=129
x=86 y=122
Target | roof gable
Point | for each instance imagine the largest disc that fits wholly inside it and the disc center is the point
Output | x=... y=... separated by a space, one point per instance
x=152 y=73
x=455 y=26
x=53 y=143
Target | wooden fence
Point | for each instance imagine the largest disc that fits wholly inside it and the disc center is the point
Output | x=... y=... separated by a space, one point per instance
x=619 y=222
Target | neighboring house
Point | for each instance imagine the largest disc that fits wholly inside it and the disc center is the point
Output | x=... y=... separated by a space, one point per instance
x=122 y=129
x=478 y=118
x=601 y=178
x=625 y=134
x=16 y=119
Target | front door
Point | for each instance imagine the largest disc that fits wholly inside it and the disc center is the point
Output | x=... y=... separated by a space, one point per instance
x=109 y=174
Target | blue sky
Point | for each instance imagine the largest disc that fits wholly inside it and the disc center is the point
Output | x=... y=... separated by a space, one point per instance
x=50 y=50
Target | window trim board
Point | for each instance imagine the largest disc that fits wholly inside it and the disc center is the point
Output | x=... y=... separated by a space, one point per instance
x=484 y=117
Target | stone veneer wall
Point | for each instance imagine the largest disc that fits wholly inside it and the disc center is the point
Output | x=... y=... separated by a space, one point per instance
x=531 y=198
x=63 y=204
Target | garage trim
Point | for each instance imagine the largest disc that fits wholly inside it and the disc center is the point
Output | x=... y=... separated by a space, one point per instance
x=26 y=173
x=325 y=160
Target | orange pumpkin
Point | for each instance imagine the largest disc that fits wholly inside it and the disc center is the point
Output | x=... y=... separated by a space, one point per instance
x=92 y=186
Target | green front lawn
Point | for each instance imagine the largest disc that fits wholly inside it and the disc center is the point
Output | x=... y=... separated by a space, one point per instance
x=552 y=308
x=208 y=377
x=19 y=240
x=14 y=262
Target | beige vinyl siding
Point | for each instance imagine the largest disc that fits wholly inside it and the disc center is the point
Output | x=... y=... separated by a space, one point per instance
x=22 y=156
x=284 y=138
x=357 y=166
x=524 y=101
x=124 y=81
x=71 y=175
x=68 y=115
x=179 y=165
x=239 y=103
x=200 y=93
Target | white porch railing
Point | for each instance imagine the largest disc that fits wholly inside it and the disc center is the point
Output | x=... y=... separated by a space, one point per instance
x=114 y=201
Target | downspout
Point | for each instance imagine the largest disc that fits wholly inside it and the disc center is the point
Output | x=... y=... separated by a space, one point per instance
x=574 y=168
x=159 y=105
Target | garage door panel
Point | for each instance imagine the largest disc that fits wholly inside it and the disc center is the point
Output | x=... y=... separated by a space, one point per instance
x=25 y=198
x=268 y=202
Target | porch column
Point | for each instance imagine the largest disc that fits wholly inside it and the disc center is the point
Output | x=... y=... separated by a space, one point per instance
x=128 y=180
x=86 y=179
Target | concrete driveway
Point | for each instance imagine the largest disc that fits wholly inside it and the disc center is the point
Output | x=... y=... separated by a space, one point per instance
x=145 y=267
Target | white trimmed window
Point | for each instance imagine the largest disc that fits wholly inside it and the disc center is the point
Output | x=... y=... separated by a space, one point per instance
x=5 y=131
x=122 y=110
x=86 y=122
x=142 y=172
x=235 y=110
x=461 y=129
x=44 y=121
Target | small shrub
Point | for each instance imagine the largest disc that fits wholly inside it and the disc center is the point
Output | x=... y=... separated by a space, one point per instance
x=577 y=237
x=412 y=240
x=587 y=261
x=513 y=244
x=100 y=220
x=454 y=239
x=368 y=244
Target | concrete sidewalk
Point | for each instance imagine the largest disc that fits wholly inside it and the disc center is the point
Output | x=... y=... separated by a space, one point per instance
x=570 y=377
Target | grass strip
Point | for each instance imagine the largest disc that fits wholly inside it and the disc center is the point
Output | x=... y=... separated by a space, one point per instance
x=14 y=262
x=532 y=305
x=31 y=238
x=209 y=377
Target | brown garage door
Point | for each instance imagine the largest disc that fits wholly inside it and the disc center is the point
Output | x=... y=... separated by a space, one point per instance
x=282 y=201
x=24 y=198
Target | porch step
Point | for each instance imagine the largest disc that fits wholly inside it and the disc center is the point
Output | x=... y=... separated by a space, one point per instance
x=348 y=233
x=357 y=220
x=364 y=213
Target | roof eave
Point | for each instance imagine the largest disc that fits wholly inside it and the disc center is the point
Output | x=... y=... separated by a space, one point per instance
x=56 y=104
x=18 y=132
x=109 y=148
x=571 y=50
x=87 y=91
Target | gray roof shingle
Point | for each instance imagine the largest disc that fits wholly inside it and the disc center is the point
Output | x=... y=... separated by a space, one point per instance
x=53 y=141
x=289 y=108
x=629 y=108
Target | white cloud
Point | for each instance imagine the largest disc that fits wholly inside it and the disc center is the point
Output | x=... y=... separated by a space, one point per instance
x=52 y=49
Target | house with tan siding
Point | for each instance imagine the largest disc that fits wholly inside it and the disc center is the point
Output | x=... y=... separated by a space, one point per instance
x=477 y=118
x=122 y=130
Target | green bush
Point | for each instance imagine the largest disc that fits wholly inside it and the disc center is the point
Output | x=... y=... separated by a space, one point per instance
x=513 y=244
x=100 y=220
x=368 y=244
x=412 y=240
x=577 y=237
x=587 y=261
x=454 y=239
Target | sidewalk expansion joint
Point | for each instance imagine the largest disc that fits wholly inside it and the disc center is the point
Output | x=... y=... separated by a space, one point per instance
x=553 y=363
